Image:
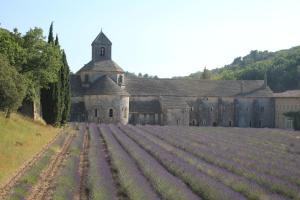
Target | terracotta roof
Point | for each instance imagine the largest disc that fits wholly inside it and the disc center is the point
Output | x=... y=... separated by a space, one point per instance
x=182 y=87
x=105 y=86
x=288 y=93
x=102 y=66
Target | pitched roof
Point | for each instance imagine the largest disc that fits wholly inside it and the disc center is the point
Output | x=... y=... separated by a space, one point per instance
x=105 y=86
x=288 y=93
x=173 y=102
x=101 y=39
x=152 y=106
x=102 y=66
x=183 y=87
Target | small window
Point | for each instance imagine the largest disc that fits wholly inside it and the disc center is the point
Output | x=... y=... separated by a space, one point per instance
x=230 y=123
x=194 y=122
x=260 y=123
x=192 y=109
x=125 y=112
x=102 y=51
x=178 y=121
x=262 y=109
x=250 y=123
x=111 y=113
x=211 y=109
x=96 y=113
x=120 y=80
x=86 y=78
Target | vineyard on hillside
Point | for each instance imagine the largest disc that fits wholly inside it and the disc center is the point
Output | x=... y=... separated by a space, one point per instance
x=128 y=162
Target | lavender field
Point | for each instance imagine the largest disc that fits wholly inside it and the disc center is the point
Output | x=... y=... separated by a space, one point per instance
x=161 y=162
x=174 y=163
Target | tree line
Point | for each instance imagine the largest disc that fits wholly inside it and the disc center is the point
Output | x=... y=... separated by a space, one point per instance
x=36 y=70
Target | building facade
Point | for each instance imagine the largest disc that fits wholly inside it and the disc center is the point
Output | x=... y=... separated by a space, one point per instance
x=101 y=93
x=286 y=102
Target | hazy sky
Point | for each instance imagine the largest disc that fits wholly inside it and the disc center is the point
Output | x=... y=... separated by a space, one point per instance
x=162 y=37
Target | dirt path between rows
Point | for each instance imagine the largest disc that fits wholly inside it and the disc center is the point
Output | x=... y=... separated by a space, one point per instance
x=6 y=187
x=43 y=190
x=83 y=170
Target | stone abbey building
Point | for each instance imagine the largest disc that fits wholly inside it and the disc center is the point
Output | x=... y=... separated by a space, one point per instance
x=102 y=93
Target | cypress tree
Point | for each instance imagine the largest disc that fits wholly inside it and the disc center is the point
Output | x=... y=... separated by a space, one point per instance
x=51 y=96
x=55 y=99
x=50 y=36
x=66 y=94
x=56 y=42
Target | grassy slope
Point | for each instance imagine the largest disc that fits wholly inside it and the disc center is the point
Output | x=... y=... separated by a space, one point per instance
x=20 y=139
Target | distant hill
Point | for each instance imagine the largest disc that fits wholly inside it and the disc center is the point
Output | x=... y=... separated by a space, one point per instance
x=282 y=69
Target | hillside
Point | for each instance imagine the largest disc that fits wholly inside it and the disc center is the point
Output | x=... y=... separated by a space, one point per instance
x=21 y=138
x=282 y=69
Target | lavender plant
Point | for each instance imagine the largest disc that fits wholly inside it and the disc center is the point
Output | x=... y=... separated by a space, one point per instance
x=132 y=180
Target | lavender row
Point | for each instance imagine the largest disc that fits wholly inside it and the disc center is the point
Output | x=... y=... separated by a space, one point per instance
x=200 y=183
x=255 y=146
x=168 y=186
x=131 y=179
x=234 y=143
x=68 y=182
x=271 y=164
x=209 y=155
x=270 y=140
x=279 y=171
x=240 y=184
x=100 y=180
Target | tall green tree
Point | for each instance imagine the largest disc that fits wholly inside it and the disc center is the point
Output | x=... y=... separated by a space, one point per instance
x=206 y=74
x=51 y=95
x=12 y=87
x=66 y=95
x=50 y=35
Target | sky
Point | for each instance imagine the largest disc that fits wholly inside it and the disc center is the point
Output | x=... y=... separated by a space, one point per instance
x=161 y=37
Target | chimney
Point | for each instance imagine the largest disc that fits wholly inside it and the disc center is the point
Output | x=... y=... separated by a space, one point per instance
x=265 y=81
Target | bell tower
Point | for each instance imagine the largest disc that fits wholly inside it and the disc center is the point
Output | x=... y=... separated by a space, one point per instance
x=101 y=48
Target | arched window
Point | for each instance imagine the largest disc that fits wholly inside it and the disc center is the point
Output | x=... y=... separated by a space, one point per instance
x=120 y=80
x=260 y=123
x=194 y=122
x=111 y=113
x=86 y=78
x=102 y=51
x=96 y=112
x=125 y=112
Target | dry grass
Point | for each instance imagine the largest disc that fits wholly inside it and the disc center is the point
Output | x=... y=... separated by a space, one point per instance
x=20 y=139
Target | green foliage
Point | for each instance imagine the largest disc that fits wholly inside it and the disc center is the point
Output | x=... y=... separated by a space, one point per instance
x=140 y=75
x=11 y=47
x=50 y=36
x=282 y=68
x=66 y=103
x=43 y=71
x=296 y=119
x=206 y=74
x=12 y=87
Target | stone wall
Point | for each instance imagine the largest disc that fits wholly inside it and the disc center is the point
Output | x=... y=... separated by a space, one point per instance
x=107 y=108
x=283 y=105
